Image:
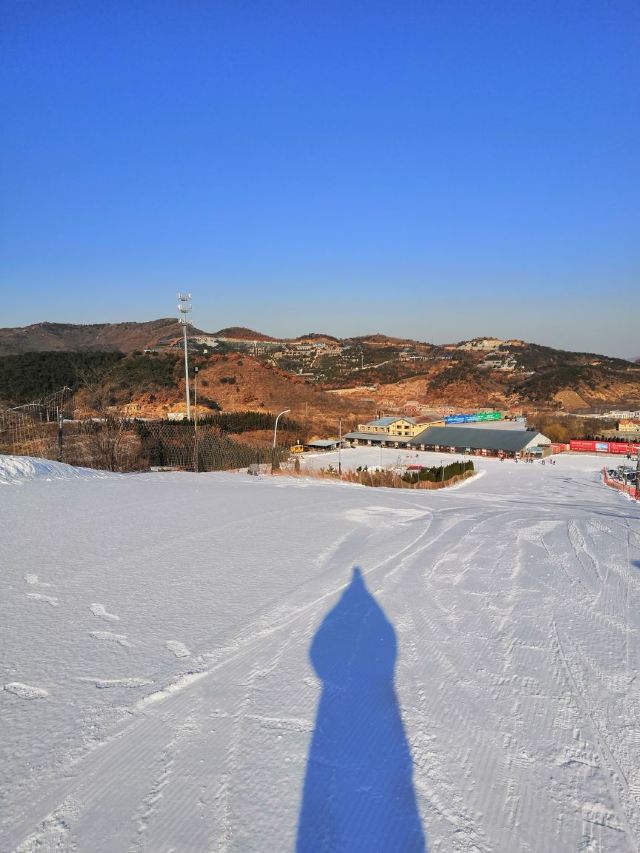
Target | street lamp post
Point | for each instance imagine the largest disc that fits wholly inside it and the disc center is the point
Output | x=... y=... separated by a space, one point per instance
x=195 y=396
x=275 y=437
x=195 y=419
x=184 y=307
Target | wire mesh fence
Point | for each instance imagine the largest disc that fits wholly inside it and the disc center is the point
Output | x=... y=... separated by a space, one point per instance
x=202 y=447
x=32 y=429
x=224 y=441
x=118 y=443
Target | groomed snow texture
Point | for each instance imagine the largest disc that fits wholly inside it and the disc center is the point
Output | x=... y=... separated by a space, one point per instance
x=220 y=662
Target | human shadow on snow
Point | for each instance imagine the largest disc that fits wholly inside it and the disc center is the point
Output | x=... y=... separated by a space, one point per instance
x=358 y=791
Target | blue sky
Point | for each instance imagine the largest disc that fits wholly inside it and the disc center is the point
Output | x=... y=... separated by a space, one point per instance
x=432 y=170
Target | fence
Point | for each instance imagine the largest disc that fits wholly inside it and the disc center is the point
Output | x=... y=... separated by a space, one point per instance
x=124 y=444
x=623 y=448
x=633 y=490
x=559 y=447
x=33 y=428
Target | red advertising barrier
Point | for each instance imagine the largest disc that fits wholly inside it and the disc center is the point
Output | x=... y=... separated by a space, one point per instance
x=603 y=447
x=620 y=447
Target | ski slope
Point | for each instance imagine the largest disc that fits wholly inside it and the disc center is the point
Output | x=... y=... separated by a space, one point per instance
x=219 y=662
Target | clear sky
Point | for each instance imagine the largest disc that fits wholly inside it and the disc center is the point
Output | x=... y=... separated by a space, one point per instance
x=437 y=170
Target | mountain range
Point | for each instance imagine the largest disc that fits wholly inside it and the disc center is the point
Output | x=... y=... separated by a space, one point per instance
x=247 y=368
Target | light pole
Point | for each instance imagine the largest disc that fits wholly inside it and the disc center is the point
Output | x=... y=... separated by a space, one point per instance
x=195 y=396
x=184 y=307
x=275 y=436
x=195 y=419
x=60 y=433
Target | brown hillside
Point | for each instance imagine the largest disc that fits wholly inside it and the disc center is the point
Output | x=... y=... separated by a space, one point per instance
x=241 y=333
x=375 y=371
x=415 y=394
x=71 y=337
x=570 y=400
x=380 y=340
x=316 y=337
x=238 y=383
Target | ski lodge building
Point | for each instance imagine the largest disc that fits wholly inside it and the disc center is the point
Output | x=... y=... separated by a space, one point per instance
x=397 y=428
x=487 y=442
x=406 y=433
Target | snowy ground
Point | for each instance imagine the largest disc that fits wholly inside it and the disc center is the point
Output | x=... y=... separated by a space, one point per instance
x=386 y=457
x=190 y=663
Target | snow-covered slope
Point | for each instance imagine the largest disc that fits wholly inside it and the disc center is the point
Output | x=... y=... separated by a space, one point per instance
x=191 y=663
x=15 y=470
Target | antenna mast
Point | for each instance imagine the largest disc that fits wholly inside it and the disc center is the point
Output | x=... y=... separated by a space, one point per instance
x=184 y=307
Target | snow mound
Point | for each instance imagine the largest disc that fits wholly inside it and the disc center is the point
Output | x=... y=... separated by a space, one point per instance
x=16 y=469
x=25 y=691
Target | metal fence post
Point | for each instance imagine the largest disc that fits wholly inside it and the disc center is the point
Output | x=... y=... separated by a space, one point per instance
x=60 y=435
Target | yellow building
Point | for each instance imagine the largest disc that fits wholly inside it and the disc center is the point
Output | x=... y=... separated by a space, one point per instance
x=629 y=426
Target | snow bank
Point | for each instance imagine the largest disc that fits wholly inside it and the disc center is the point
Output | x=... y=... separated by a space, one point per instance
x=14 y=470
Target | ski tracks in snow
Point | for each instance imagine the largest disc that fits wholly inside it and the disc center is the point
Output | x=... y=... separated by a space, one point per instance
x=522 y=729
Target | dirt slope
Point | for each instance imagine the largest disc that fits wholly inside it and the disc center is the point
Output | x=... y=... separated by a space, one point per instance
x=239 y=383
x=71 y=337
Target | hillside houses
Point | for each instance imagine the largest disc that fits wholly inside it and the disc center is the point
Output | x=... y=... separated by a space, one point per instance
x=499 y=361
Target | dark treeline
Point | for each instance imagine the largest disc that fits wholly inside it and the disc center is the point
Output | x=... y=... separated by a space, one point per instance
x=145 y=371
x=249 y=421
x=33 y=375
x=546 y=383
x=438 y=473
x=238 y=422
x=462 y=371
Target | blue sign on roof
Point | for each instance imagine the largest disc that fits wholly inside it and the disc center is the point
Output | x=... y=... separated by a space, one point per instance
x=472 y=418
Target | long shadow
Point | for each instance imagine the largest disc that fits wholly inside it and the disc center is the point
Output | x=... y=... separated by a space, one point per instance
x=358 y=791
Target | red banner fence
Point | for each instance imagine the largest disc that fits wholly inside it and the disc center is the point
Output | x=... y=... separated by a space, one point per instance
x=632 y=491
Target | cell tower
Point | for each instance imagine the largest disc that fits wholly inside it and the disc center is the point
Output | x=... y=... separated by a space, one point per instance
x=184 y=307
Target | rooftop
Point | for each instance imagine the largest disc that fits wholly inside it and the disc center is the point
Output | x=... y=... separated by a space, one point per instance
x=478 y=439
x=388 y=420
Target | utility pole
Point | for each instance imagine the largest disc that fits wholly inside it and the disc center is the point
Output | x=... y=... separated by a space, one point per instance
x=275 y=437
x=60 y=433
x=184 y=307
x=195 y=418
x=195 y=396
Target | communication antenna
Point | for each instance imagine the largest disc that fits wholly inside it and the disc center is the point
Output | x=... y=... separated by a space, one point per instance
x=184 y=307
